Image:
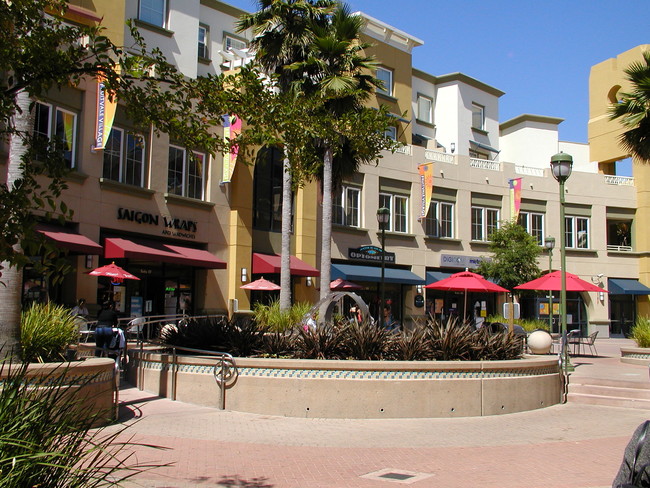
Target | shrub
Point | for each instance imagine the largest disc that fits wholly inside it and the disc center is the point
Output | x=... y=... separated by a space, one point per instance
x=528 y=325
x=243 y=337
x=204 y=333
x=46 y=330
x=323 y=342
x=279 y=344
x=272 y=318
x=47 y=439
x=411 y=345
x=365 y=340
x=497 y=346
x=641 y=332
x=451 y=341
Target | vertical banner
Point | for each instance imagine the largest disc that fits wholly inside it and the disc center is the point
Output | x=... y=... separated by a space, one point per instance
x=426 y=179
x=231 y=129
x=105 y=115
x=515 y=198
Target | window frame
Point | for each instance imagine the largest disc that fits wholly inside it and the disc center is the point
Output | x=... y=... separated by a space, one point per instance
x=164 y=13
x=185 y=173
x=227 y=37
x=388 y=87
x=342 y=212
x=478 y=109
x=441 y=227
x=528 y=224
x=572 y=232
x=53 y=111
x=391 y=132
x=398 y=221
x=429 y=116
x=489 y=222
x=205 y=53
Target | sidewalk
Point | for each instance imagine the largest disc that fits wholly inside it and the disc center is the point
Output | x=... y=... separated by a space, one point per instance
x=564 y=446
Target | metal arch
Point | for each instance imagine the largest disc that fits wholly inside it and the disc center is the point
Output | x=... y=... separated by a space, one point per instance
x=328 y=303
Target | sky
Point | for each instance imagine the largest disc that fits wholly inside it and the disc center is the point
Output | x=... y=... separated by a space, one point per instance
x=539 y=52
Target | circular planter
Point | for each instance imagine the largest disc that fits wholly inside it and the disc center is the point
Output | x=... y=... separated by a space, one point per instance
x=540 y=342
x=635 y=355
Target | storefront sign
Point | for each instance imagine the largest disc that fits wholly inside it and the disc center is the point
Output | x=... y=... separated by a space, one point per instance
x=459 y=261
x=171 y=226
x=370 y=253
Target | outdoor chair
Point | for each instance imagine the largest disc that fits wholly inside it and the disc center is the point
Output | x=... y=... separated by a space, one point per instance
x=573 y=338
x=135 y=328
x=590 y=341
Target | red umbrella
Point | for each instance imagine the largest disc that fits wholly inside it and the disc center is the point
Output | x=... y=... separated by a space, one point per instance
x=341 y=284
x=113 y=271
x=553 y=282
x=260 y=285
x=466 y=281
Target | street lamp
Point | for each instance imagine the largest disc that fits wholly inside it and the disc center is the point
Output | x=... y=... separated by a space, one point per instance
x=383 y=216
x=561 y=165
x=549 y=244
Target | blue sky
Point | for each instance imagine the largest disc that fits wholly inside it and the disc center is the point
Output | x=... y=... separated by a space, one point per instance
x=538 y=52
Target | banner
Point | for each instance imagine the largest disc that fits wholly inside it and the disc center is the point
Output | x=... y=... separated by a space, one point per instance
x=105 y=115
x=231 y=129
x=426 y=179
x=515 y=198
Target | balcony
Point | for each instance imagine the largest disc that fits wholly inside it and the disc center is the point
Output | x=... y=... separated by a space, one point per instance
x=619 y=248
x=439 y=157
x=529 y=171
x=405 y=149
x=619 y=180
x=485 y=164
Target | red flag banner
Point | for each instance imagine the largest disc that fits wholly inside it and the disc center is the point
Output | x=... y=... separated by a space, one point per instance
x=515 y=198
x=426 y=179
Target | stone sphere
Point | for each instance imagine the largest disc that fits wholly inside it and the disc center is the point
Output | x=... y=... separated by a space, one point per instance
x=539 y=342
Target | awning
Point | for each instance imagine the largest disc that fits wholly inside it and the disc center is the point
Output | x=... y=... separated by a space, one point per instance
x=271 y=263
x=71 y=240
x=115 y=247
x=620 y=286
x=355 y=272
x=485 y=146
x=435 y=276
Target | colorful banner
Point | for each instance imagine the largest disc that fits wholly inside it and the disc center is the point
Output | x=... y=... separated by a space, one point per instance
x=515 y=198
x=426 y=179
x=105 y=115
x=231 y=129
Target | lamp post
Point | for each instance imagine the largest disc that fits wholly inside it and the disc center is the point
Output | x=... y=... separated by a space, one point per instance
x=549 y=244
x=561 y=166
x=383 y=215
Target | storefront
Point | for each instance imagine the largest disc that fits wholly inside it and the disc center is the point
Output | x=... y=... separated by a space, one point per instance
x=622 y=304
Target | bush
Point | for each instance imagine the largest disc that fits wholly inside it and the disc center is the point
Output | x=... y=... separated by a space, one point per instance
x=364 y=340
x=451 y=341
x=411 y=345
x=641 y=332
x=47 y=439
x=272 y=318
x=529 y=325
x=46 y=330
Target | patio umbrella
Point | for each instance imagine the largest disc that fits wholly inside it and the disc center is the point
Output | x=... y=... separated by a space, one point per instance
x=113 y=271
x=260 y=285
x=341 y=284
x=466 y=281
x=553 y=282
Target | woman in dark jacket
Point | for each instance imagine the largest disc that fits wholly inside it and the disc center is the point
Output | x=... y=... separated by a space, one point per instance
x=106 y=319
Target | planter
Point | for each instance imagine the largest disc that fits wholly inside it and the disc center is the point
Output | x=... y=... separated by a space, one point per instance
x=355 y=389
x=635 y=355
x=540 y=342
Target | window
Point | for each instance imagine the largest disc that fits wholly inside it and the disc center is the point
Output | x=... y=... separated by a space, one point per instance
x=204 y=30
x=58 y=125
x=439 y=222
x=153 y=12
x=267 y=190
x=391 y=133
x=484 y=222
x=346 y=207
x=425 y=109
x=186 y=173
x=124 y=157
x=386 y=77
x=576 y=234
x=398 y=205
x=230 y=42
x=478 y=116
x=619 y=235
x=534 y=225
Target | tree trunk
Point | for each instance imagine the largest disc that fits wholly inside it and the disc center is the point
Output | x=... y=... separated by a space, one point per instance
x=326 y=232
x=285 y=266
x=11 y=287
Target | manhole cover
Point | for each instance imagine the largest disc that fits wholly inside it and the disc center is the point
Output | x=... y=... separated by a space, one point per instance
x=397 y=476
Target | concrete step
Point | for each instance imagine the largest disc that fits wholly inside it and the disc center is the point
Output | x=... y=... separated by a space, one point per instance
x=609 y=401
x=610 y=391
x=641 y=384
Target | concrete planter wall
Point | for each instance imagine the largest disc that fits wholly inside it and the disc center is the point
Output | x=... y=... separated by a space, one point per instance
x=635 y=355
x=92 y=382
x=355 y=389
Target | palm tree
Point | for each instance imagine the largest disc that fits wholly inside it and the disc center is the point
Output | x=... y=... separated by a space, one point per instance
x=633 y=110
x=338 y=72
x=283 y=34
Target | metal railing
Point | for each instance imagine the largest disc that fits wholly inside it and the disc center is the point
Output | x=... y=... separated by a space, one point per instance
x=439 y=157
x=619 y=248
x=485 y=164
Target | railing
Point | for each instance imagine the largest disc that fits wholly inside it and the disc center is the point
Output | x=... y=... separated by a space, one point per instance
x=529 y=171
x=439 y=157
x=485 y=164
x=405 y=149
x=619 y=180
x=611 y=247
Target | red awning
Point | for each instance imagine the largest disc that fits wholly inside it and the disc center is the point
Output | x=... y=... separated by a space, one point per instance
x=270 y=263
x=116 y=247
x=71 y=240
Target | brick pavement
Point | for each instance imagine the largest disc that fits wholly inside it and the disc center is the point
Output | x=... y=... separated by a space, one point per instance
x=563 y=446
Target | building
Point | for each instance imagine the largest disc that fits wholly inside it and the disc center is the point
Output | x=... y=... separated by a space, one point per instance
x=193 y=233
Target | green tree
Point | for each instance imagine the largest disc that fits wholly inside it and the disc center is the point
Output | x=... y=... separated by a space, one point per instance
x=633 y=110
x=513 y=259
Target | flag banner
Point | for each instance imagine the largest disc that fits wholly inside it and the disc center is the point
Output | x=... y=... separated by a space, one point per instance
x=515 y=198
x=426 y=179
x=105 y=115
x=231 y=129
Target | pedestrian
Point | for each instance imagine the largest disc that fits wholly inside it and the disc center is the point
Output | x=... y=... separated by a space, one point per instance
x=106 y=319
x=80 y=309
x=634 y=472
x=390 y=324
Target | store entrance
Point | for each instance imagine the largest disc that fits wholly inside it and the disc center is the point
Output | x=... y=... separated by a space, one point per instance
x=622 y=315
